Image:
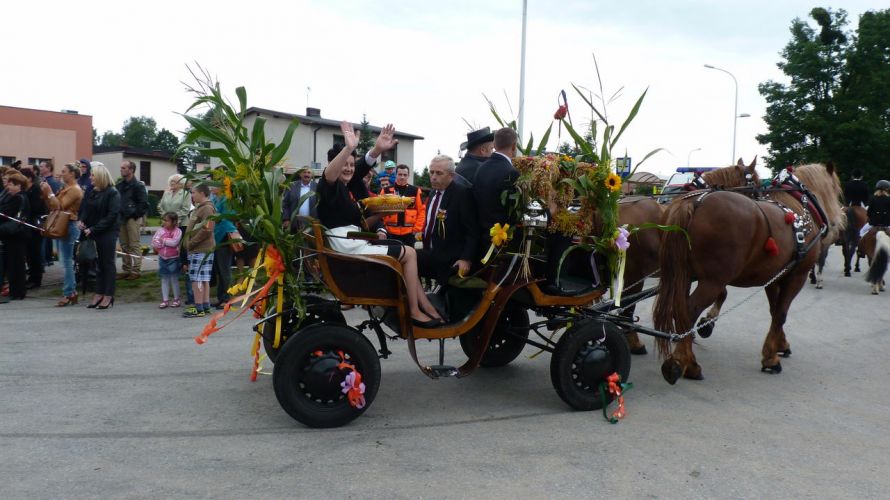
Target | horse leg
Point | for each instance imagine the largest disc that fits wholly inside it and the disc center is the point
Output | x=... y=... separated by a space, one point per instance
x=633 y=338
x=772 y=295
x=711 y=317
x=823 y=256
x=682 y=361
x=775 y=341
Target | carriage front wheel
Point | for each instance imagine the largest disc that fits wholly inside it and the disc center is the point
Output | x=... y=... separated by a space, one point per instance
x=310 y=369
x=583 y=358
x=507 y=340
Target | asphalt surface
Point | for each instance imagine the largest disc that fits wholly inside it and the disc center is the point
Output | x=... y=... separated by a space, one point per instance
x=123 y=403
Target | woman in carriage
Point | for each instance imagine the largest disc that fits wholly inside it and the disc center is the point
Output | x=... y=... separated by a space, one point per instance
x=339 y=192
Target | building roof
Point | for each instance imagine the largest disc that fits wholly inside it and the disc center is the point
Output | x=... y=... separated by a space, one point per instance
x=317 y=120
x=66 y=112
x=128 y=151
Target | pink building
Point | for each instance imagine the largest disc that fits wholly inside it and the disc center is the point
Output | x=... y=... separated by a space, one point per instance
x=32 y=135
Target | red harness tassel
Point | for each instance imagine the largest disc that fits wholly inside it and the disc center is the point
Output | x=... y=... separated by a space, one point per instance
x=771 y=247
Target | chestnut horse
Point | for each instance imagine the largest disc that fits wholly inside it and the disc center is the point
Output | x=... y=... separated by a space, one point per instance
x=856 y=219
x=739 y=241
x=876 y=247
x=642 y=255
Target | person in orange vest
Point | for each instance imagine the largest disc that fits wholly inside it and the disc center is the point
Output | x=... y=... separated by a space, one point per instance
x=405 y=226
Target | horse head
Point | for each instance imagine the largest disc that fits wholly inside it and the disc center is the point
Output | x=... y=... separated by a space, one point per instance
x=734 y=175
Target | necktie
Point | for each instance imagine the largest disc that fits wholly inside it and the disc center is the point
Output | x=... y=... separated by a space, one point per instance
x=431 y=220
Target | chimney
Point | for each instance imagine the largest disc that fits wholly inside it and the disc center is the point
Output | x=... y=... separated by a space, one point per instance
x=313 y=112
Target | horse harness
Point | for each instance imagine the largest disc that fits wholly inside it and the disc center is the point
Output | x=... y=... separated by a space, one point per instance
x=801 y=224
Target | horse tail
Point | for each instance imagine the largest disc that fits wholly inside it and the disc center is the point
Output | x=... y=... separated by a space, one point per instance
x=671 y=313
x=879 y=264
x=851 y=233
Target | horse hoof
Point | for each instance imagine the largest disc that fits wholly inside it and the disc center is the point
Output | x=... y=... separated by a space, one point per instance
x=812 y=280
x=786 y=353
x=847 y=274
x=639 y=350
x=705 y=331
x=818 y=286
x=694 y=374
x=775 y=369
x=671 y=371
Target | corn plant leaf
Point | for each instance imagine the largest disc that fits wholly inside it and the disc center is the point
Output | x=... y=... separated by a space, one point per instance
x=630 y=117
x=242 y=99
x=600 y=115
x=280 y=150
x=543 y=143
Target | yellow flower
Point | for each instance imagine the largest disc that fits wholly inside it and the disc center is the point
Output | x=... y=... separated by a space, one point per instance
x=499 y=235
x=613 y=182
x=227 y=182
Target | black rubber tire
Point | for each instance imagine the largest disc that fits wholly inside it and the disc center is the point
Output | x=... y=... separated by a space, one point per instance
x=290 y=324
x=504 y=347
x=565 y=373
x=293 y=369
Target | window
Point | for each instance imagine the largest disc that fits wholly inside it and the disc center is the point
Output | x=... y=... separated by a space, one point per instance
x=7 y=160
x=145 y=172
x=36 y=161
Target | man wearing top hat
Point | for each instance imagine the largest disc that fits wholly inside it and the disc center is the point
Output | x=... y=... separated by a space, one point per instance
x=479 y=146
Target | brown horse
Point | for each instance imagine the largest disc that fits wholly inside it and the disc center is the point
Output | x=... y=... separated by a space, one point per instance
x=856 y=219
x=876 y=247
x=642 y=255
x=739 y=241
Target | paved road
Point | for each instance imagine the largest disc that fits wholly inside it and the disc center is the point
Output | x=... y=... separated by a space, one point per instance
x=122 y=403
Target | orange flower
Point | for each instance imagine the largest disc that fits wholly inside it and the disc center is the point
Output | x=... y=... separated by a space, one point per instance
x=613 y=182
x=227 y=183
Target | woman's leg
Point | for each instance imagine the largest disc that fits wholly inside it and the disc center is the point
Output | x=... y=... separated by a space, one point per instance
x=420 y=306
x=105 y=244
x=14 y=260
x=66 y=256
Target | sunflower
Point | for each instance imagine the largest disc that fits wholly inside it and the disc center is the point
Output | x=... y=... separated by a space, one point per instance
x=613 y=182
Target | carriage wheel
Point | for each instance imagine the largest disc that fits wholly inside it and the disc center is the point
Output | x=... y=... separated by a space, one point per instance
x=507 y=340
x=584 y=357
x=291 y=323
x=307 y=378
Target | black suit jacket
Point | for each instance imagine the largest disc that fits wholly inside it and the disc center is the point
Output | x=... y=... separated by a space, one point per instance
x=458 y=239
x=494 y=177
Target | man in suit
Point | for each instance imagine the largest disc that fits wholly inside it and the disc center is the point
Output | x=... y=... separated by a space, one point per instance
x=291 y=202
x=494 y=177
x=856 y=190
x=479 y=146
x=450 y=236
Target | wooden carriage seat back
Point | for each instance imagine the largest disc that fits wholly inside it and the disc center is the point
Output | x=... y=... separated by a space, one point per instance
x=359 y=279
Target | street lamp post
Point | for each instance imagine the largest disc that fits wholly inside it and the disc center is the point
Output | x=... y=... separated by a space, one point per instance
x=689 y=156
x=522 y=73
x=735 y=110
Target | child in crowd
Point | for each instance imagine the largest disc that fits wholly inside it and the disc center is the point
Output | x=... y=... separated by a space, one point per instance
x=166 y=243
x=200 y=244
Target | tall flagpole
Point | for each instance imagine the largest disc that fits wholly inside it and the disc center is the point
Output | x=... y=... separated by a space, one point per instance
x=522 y=72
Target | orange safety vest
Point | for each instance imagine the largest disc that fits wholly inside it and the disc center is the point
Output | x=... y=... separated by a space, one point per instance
x=408 y=222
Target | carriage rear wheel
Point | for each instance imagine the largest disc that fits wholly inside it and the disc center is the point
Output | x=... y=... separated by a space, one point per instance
x=584 y=356
x=316 y=312
x=307 y=375
x=507 y=340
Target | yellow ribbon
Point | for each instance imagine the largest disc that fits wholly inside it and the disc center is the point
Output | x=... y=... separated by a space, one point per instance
x=499 y=236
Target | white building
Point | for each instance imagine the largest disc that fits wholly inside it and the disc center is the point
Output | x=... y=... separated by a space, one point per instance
x=152 y=167
x=316 y=135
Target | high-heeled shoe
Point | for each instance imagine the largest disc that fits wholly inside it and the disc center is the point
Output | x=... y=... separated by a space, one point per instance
x=95 y=302
x=106 y=306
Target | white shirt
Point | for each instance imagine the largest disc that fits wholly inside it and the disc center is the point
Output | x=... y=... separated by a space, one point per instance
x=304 y=207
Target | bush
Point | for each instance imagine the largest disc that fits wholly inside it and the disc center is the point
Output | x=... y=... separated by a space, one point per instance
x=153 y=200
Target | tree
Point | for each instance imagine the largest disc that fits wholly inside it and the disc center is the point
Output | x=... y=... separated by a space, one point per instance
x=835 y=105
x=165 y=141
x=111 y=139
x=365 y=138
x=423 y=179
x=140 y=132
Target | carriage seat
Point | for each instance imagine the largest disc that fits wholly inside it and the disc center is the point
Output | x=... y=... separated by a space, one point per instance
x=569 y=286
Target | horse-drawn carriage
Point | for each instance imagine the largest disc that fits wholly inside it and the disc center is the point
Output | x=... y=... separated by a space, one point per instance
x=319 y=358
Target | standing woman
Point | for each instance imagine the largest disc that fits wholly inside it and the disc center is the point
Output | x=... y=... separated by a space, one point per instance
x=13 y=234
x=68 y=199
x=100 y=223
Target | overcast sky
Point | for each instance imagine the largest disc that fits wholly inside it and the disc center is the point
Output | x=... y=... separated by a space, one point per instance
x=423 y=66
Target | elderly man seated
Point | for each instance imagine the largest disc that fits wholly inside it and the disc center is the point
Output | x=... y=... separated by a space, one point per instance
x=451 y=233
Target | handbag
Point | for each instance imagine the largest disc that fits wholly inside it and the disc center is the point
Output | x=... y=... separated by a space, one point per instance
x=55 y=226
x=86 y=251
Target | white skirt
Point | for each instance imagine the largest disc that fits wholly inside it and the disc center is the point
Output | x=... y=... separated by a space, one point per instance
x=356 y=247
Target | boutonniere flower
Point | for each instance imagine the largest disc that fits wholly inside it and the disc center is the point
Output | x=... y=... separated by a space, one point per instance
x=441 y=214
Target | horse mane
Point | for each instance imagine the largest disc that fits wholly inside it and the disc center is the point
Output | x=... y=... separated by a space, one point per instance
x=731 y=176
x=822 y=180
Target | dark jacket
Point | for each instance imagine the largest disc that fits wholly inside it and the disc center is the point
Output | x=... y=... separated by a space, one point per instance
x=134 y=199
x=879 y=211
x=856 y=192
x=35 y=201
x=455 y=238
x=14 y=206
x=291 y=201
x=101 y=210
x=493 y=178
x=468 y=166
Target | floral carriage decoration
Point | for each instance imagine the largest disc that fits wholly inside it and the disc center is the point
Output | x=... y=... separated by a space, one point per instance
x=251 y=177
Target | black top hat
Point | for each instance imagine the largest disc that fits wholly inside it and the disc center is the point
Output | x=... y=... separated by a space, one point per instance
x=477 y=137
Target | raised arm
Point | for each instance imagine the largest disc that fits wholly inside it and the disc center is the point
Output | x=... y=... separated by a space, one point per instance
x=335 y=167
